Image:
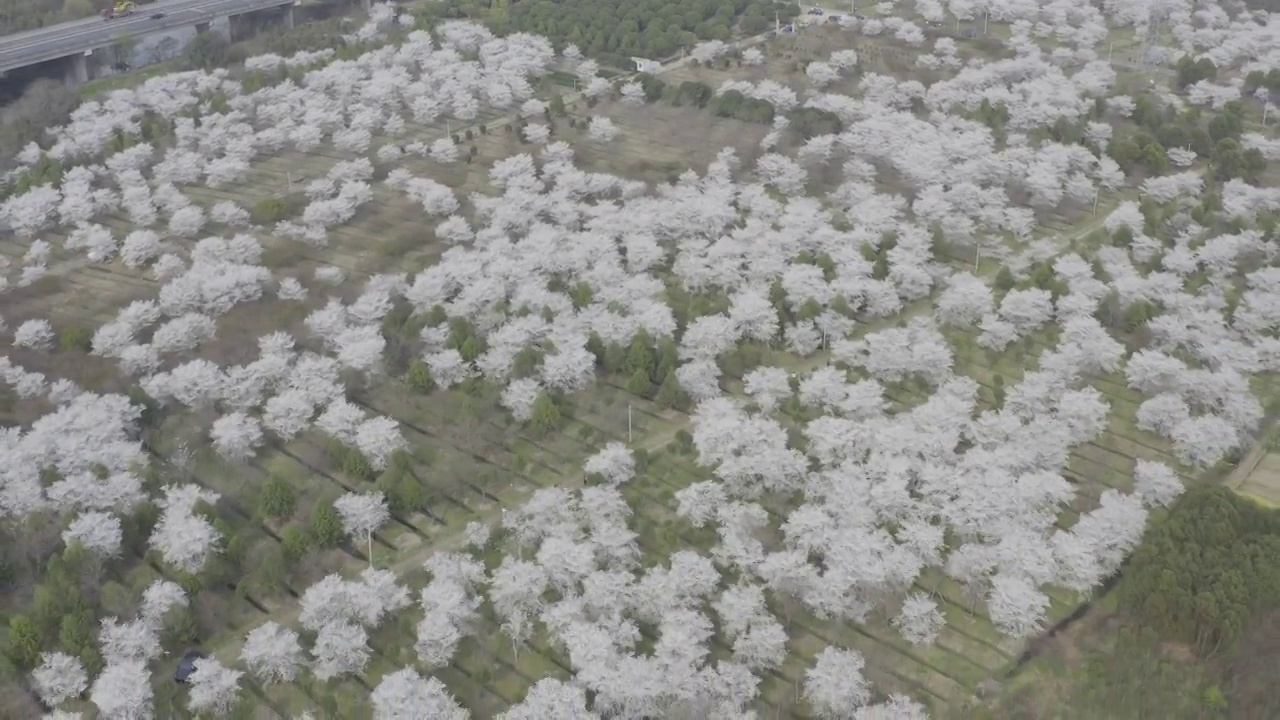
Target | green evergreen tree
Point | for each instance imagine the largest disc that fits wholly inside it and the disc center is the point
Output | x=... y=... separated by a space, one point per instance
x=614 y=358
x=356 y=465
x=778 y=298
x=472 y=348
x=668 y=359
x=270 y=569
x=76 y=339
x=639 y=384
x=277 y=499
x=582 y=295
x=880 y=270
x=294 y=543
x=403 y=493
x=640 y=356
x=670 y=394
x=24 y=641
x=419 y=379
x=1138 y=314
x=77 y=631
x=1005 y=279
x=525 y=363
x=810 y=310
x=595 y=346
x=326 y=526
x=546 y=415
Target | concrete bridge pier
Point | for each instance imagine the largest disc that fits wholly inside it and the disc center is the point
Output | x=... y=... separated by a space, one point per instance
x=77 y=70
x=287 y=20
x=202 y=28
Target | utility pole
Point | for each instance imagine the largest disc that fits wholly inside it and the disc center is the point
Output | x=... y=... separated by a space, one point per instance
x=628 y=423
x=369 y=537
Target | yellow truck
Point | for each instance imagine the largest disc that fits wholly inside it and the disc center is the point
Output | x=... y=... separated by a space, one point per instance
x=122 y=8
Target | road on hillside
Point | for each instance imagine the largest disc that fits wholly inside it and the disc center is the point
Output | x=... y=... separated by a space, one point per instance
x=69 y=38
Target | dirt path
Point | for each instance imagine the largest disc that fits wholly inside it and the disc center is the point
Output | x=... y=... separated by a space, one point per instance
x=1241 y=472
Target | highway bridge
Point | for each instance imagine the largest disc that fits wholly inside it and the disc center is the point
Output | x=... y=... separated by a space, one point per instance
x=79 y=38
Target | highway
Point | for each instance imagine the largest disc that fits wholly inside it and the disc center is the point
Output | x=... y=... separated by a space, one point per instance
x=78 y=36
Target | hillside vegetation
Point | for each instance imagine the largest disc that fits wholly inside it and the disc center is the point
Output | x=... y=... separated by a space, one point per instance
x=1191 y=631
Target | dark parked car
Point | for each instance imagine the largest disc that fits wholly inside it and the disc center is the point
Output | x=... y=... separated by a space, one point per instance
x=815 y=11
x=186 y=666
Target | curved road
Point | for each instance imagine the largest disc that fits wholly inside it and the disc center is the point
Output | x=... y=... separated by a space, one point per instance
x=79 y=36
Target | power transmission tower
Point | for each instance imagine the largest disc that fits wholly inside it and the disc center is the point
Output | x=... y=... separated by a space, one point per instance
x=1153 y=31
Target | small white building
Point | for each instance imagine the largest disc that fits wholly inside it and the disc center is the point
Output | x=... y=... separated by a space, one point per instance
x=645 y=65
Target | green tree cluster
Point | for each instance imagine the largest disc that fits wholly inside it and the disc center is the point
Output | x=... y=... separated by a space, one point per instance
x=43 y=104
x=208 y=50
x=1164 y=127
x=61 y=613
x=1140 y=150
x=1191 y=71
x=1256 y=79
x=692 y=93
x=736 y=105
x=613 y=31
x=994 y=116
x=810 y=122
x=1204 y=572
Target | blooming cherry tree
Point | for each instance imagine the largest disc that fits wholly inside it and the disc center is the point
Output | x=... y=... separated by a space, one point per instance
x=614 y=462
x=551 y=698
x=34 y=334
x=341 y=648
x=185 y=539
x=272 y=653
x=236 y=436
x=835 y=686
x=59 y=678
x=601 y=129
x=406 y=695
x=98 y=532
x=122 y=691
x=1156 y=483
x=919 y=620
x=214 y=688
x=362 y=514
x=379 y=438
